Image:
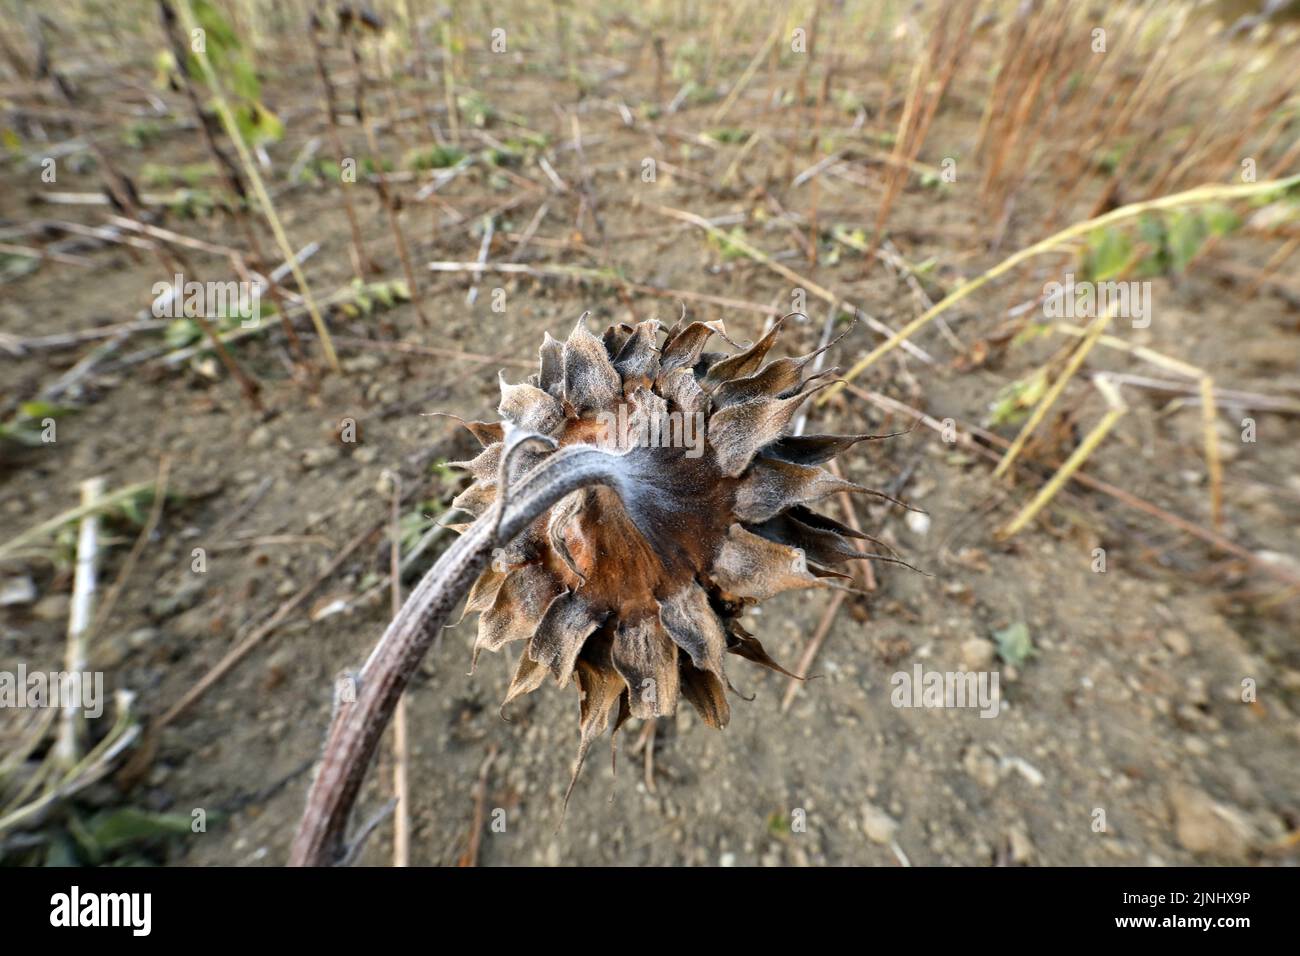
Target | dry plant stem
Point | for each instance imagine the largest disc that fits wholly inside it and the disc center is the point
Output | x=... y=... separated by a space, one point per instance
x=820 y=291
x=1205 y=386
x=1012 y=45
x=124 y=196
x=109 y=604
x=1158 y=359
x=28 y=252
x=1049 y=398
x=74 y=514
x=361 y=263
x=1191 y=197
x=475 y=840
x=584 y=182
x=259 y=188
x=420 y=68
x=529 y=231
x=85 y=366
x=648 y=752
x=358 y=725
x=72 y=723
x=175 y=238
x=1251 y=400
x=449 y=84
x=851 y=517
x=401 y=745
x=609 y=278
x=815 y=643
x=1274 y=263
x=381 y=182
x=1072 y=464
x=121 y=190
x=91 y=769
x=748 y=75
x=730 y=174
x=246 y=646
x=415 y=348
x=1213 y=465
x=943 y=55
x=966 y=430
x=225 y=167
x=815 y=198
x=810 y=650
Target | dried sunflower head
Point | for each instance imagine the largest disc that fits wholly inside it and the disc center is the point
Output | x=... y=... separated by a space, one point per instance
x=635 y=591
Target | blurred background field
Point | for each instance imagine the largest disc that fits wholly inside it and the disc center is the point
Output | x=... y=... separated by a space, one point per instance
x=423 y=190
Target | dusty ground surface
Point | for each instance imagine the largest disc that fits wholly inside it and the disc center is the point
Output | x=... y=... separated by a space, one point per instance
x=1131 y=704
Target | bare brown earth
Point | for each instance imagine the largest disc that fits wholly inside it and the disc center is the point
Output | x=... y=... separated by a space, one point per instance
x=1131 y=703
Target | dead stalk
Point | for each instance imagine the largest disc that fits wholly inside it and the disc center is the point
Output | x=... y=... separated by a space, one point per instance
x=1188 y=198
x=72 y=723
x=381 y=179
x=401 y=743
x=225 y=167
x=359 y=724
x=361 y=263
x=259 y=189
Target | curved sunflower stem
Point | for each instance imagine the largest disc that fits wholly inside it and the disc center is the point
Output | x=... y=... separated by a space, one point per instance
x=359 y=723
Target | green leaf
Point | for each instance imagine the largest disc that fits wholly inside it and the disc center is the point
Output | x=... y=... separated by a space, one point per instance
x=411 y=528
x=182 y=332
x=1014 y=400
x=61 y=851
x=1014 y=643
x=434 y=157
x=114 y=829
x=1187 y=232
x=257 y=124
x=1109 y=252
x=20 y=435
x=1221 y=220
x=727 y=246
x=728 y=135
x=778 y=824
x=39 y=409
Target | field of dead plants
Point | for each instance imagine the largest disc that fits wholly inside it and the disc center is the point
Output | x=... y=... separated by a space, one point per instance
x=247 y=248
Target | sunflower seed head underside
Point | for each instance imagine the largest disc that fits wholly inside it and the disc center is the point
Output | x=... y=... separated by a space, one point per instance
x=635 y=592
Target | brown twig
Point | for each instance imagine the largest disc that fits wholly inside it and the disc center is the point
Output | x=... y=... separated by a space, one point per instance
x=1096 y=484
x=475 y=839
x=386 y=197
x=109 y=603
x=361 y=262
x=248 y=644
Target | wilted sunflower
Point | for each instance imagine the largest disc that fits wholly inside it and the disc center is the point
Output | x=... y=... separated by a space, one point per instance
x=636 y=592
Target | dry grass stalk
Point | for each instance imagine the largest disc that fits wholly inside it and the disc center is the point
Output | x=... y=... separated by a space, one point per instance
x=362 y=265
x=931 y=78
x=1201 y=194
x=1075 y=361
x=72 y=723
x=386 y=198
x=226 y=168
x=1115 y=410
x=259 y=189
x=967 y=432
